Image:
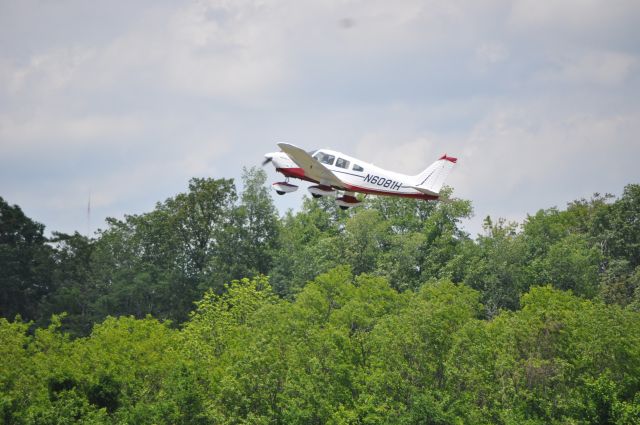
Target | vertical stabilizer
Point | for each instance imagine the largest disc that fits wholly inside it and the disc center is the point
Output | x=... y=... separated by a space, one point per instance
x=432 y=179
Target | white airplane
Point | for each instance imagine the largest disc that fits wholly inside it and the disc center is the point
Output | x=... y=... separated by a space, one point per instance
x=334 y=171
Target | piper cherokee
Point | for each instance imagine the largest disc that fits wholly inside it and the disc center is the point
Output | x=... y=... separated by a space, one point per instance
x=335 y=172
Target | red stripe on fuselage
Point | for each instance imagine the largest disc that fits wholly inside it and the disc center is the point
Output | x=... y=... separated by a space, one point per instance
x=424 y=196
x=296 y=173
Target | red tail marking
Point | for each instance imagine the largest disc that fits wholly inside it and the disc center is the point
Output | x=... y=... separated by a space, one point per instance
x=449 y=158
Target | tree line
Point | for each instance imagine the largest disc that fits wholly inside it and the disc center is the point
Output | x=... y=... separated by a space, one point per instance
x=386 y=313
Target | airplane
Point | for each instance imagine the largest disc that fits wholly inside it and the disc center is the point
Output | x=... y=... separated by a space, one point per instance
x=335 y=172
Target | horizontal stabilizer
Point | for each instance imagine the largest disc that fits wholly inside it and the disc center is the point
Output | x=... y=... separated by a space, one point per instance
x=424 y=190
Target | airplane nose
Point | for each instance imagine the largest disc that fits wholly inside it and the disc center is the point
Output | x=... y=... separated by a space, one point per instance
x=267 y=159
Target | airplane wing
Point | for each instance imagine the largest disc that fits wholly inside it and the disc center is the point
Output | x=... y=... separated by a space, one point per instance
x=312 y=168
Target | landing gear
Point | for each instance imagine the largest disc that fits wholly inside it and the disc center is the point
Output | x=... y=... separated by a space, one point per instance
x=284 y=187
x=342 y=207
x=347 y=201
x=321 y=190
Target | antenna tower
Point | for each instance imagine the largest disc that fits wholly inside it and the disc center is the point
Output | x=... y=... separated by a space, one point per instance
x=89 y=216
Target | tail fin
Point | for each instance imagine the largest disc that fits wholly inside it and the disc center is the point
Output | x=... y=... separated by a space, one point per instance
x=430 y=181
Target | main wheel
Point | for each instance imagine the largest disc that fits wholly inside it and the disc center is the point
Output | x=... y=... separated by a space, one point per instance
x=342 y=207
x=279 y=192
x=315 y=195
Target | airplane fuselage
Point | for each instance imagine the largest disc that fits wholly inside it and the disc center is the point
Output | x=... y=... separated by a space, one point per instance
x=355 y=175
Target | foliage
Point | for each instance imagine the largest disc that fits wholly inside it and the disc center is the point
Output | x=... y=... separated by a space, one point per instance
x=25 y=263
x=212 y=309
x=348 y=349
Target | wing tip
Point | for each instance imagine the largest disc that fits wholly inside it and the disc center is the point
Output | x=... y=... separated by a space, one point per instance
x=283 y=145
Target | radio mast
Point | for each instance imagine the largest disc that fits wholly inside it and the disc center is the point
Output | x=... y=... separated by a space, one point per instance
x=89 y=216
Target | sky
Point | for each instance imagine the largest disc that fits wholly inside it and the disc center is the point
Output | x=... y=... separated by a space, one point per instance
x=123 y=102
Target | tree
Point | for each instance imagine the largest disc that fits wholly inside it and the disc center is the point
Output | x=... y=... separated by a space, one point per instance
x=74 y=281
x=139 y=269
x=160 y=262
x=366 y=237
x=444 y=236
x=625 y=226
x=201 y=217
x=250 y=239
x=231 y=344
x=571 y=264
x=25 y=263
x=310 y=243
x=559 y=359
x=15 y=377
x=401 y=263
x=407 y=377
x=496 y=267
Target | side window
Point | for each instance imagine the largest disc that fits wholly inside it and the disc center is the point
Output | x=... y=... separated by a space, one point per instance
x=324 y=158
x=356 y=167
x=342 y=163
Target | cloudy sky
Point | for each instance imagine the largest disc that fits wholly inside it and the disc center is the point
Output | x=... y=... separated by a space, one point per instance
x=125 y=101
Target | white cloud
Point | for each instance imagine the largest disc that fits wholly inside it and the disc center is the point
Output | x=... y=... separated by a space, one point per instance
x=45 y=73
x=187 y=51
x=572 y=17
x=223 y=49
x=544 y=153
x=593 y=67
x=490 y=53
x=28 y=135
x=393 y=153
x=149 y=94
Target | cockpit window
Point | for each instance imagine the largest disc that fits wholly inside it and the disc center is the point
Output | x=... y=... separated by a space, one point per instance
x=325 y=158
x=342 y=163
x=356 y=167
